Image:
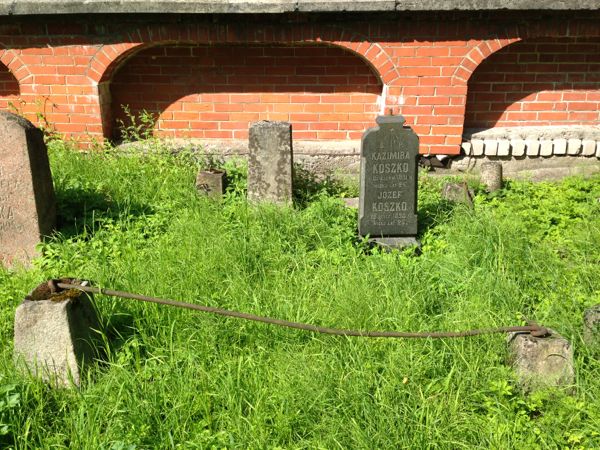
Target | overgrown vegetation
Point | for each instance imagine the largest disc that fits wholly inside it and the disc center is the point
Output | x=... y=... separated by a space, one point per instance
x=178 y=379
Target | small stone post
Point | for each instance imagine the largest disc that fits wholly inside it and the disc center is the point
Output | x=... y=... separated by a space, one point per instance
x=54 y=334
x=541 y=361
x=27 y=204
x=491 y=175
x=211 y=183
x=270 y=162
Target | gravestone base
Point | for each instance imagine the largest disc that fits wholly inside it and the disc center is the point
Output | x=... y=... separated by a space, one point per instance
x=53 y=339
x=542 y=362
x=396 y=243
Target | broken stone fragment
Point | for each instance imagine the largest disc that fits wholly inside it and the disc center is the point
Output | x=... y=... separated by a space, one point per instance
x=541 y=362
x=54 y=338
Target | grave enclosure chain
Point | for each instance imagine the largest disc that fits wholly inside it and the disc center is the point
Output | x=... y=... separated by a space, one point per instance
x=533 y=328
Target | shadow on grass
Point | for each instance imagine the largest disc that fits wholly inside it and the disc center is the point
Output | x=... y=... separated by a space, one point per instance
x=80 y=209
x=308 y=185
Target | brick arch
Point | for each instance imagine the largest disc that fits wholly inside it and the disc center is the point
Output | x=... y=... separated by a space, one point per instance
x=476 y=56
x=13 y=62
x=109 y=57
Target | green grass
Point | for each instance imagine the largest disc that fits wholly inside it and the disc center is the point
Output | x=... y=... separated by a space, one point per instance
x=178 y=379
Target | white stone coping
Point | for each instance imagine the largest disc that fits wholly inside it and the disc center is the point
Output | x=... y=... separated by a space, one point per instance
x=533 y=141
x=34 y=7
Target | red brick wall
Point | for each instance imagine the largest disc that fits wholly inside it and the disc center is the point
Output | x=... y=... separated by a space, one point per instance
x=74 y=71
x=217 y=91
x=538 y=82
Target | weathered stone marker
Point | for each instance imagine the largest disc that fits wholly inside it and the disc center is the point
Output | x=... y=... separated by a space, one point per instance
x=541 y=362
x=54 y=335
x=270 y=162
x=491 y=175
x=388 y=183
x=27 y=203
x=457 y=193
x=591 y=326
x=211 y=183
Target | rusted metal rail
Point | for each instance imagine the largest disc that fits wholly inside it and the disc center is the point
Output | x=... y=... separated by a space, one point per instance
x=533 y=328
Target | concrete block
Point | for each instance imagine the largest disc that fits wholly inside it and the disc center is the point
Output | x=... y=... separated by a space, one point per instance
x=573 y=147
x=597 y=149
x=503 y=147
x=541 y=362
x=54 y=337
x=491 y=147
x=589 y=147
x=533 y=147
x=546 y=148
x=466 y=148
x=560 y=147
x=518 y=147
x=477 y=147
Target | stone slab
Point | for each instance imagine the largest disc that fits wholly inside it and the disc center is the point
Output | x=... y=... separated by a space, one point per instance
x=388 y=180
x=270 y=162
x=54 y=339
x=27 y=201
x=541 y=362
x=546 y=147
x=400 y=243
x=32 y=7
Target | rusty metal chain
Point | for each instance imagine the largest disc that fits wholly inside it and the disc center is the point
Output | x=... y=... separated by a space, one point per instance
x=533 y=328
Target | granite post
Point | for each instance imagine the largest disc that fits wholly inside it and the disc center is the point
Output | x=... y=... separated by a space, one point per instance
x=491 y=175
x=542 y=362
x=270 y=162
x=388 y=183
x=27 y=202
x=54 y=335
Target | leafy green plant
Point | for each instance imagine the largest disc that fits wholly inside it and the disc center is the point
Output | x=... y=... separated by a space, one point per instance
x=136 y=127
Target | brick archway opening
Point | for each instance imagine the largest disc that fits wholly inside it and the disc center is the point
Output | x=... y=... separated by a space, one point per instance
x=9 y=87
x=215 y=91
x=535 y=83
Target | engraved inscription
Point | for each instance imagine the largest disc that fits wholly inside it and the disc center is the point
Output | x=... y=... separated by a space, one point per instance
x=388 y=176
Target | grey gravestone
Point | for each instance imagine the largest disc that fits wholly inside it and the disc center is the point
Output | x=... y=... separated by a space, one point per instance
x=27 y=204
x=388 y=183
x=591 y=326
x=54 y=336
x=270 y=162
x=541 y=362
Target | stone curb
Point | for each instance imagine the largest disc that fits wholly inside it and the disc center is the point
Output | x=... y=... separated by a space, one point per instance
x=531 y=147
